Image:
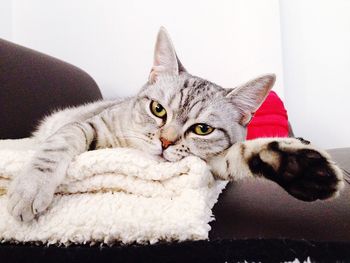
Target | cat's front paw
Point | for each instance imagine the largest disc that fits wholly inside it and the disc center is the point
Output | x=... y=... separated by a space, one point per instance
x=29 y=194
x=303 y=171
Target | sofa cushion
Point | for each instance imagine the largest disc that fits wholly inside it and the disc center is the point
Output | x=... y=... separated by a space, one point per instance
x=262 y=209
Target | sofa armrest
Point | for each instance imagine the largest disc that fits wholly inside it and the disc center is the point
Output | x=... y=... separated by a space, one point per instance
x=33 y=84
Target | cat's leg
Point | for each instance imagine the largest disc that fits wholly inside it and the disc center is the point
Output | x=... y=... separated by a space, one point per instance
x=32 y=191
x=302 y=170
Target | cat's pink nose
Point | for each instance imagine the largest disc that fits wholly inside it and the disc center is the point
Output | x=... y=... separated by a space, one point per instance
x=165 y=143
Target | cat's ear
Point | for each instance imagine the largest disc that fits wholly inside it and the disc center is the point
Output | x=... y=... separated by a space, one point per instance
x=251 y=95
x=165 y=58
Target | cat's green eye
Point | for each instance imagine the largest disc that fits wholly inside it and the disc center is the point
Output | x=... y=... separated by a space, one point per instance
x=157 y=109
x=202 y=129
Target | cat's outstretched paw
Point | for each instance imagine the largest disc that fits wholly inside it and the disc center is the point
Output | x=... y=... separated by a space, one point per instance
x=29 y=194
x=303 y=171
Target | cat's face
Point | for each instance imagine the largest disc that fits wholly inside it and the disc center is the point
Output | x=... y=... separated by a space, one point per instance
x=179 y=114
x=192 y=117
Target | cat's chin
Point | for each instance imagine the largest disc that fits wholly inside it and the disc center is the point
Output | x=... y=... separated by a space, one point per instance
x=170 y=158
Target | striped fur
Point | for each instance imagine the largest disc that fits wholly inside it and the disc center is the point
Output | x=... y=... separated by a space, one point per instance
x=187 y=99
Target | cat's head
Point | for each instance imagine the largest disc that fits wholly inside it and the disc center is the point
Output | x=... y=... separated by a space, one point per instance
x=179 y=114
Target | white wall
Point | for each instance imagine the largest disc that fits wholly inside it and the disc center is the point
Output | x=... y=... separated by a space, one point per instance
x=6 y=19
x=316 y=56
x=227 y=41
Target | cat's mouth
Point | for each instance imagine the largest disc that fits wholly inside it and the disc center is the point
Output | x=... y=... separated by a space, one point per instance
x=163 y=158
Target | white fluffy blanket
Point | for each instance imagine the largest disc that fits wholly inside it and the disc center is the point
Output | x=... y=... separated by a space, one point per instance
x=115 y=195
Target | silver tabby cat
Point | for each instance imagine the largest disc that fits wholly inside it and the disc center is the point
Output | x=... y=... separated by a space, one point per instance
x=174 y=115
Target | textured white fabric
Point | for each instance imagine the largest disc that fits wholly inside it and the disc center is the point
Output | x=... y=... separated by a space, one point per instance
x=115 y=195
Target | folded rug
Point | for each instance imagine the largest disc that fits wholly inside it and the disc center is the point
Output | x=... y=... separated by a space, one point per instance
x=114 y=195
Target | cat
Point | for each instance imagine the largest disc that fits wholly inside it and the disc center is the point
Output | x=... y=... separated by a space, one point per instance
x=174 y=115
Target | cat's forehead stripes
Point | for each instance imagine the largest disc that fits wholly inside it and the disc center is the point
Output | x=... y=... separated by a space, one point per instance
x=195 y=96
x=186 y=98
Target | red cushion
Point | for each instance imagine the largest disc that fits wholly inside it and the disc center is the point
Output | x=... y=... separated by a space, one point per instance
x=270 y=120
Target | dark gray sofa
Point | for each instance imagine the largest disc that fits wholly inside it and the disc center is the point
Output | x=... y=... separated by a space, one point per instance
x=254 y=220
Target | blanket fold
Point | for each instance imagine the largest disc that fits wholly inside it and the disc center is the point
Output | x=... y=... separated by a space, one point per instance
x=114 y=195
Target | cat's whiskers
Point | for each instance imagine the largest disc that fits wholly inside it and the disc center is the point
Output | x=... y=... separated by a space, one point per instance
x=346 y=175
